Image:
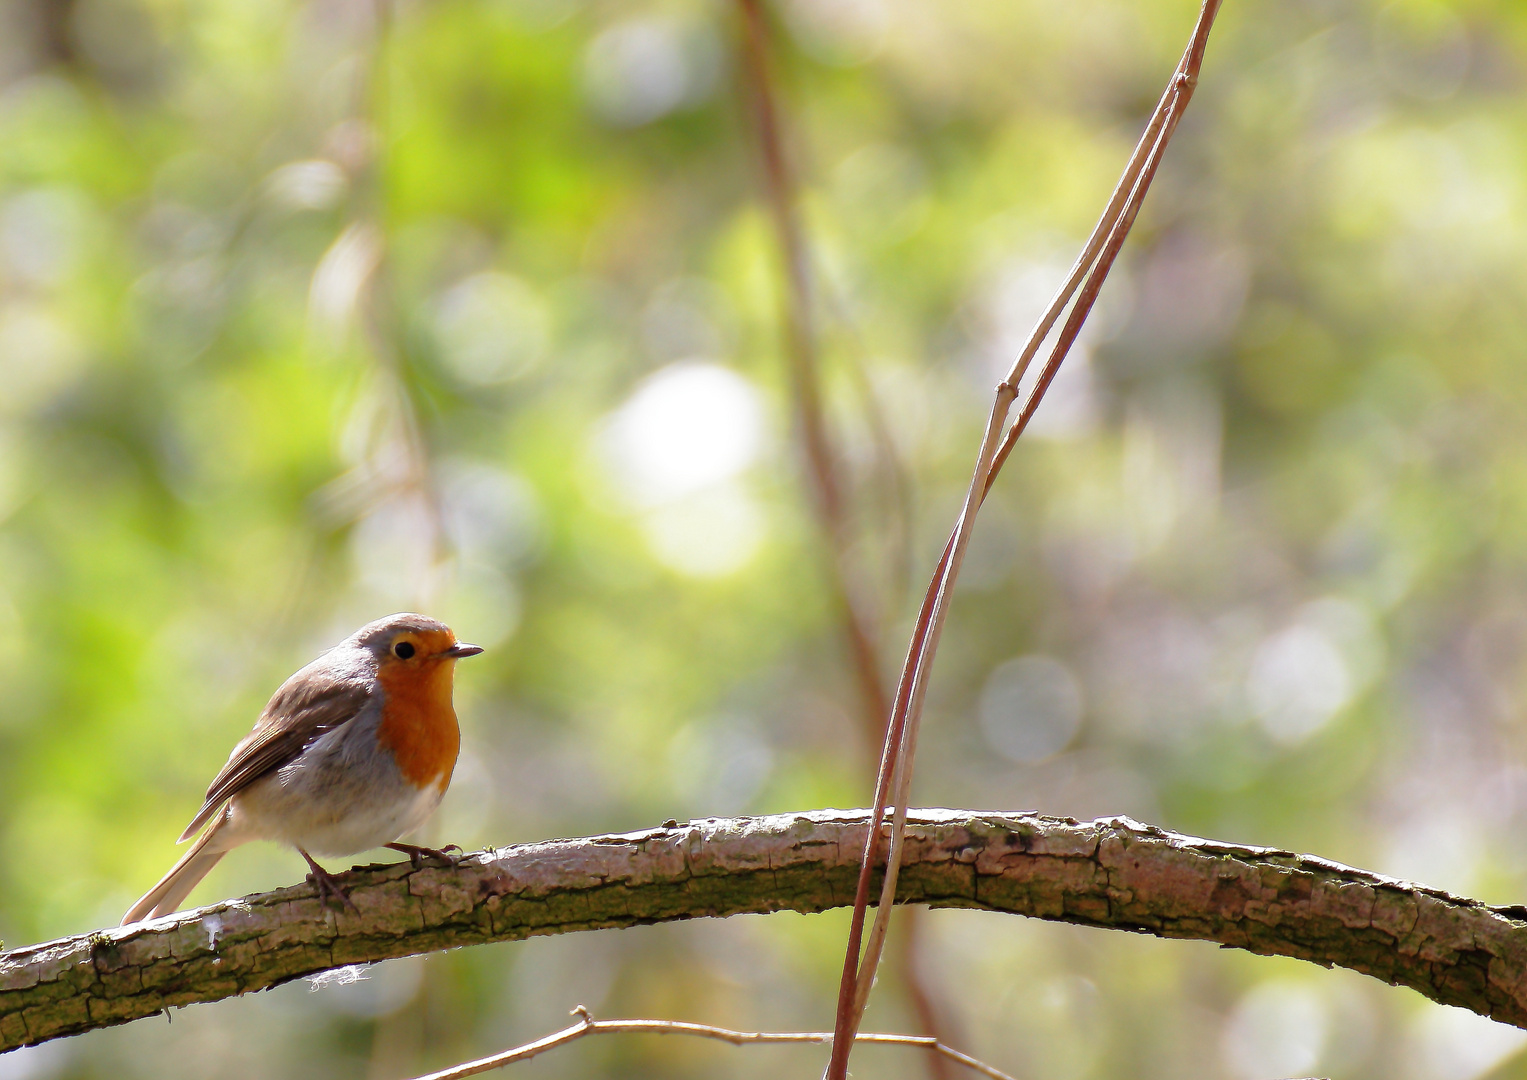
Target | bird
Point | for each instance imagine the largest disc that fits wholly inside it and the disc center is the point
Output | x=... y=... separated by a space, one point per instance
x=352 y=752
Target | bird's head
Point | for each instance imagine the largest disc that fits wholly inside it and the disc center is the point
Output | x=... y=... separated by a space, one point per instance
x=408 y=640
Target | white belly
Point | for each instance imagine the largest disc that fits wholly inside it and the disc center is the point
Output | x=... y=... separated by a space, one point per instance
x=333 y=800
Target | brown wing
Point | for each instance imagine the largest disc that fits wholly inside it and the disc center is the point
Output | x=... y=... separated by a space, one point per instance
x=301 y=711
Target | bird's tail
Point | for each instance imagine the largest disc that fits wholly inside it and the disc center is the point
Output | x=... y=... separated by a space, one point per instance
x=175 y=886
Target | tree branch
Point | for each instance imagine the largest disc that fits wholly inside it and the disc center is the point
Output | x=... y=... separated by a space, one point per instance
x=1109 y=873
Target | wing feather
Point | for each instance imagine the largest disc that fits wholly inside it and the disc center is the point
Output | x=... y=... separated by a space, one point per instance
x=300 y=712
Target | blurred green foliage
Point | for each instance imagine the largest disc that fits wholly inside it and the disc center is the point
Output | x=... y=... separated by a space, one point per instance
x=314 y=311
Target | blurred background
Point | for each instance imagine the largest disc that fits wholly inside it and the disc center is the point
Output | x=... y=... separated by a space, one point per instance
x=314 y=311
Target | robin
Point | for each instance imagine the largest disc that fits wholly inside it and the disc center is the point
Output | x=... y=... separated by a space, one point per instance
x=352 y=752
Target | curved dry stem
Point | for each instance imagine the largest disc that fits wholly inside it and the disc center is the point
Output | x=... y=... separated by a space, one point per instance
x=901 y=776
x=587 y=1025
x=893 y=782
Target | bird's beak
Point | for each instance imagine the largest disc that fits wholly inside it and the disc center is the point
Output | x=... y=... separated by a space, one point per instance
x=461 y=649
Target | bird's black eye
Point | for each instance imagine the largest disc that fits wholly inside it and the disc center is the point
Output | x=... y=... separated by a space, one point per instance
x=403 y=650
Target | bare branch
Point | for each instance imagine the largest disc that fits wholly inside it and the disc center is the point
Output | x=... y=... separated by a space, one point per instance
x=1109 y=873
x=587 y=1025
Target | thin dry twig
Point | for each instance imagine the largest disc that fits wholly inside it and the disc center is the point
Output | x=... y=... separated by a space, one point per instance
x=798 y=313
x=893 y=783
x=587 y=1025
x=801 y=338
x=890 y=470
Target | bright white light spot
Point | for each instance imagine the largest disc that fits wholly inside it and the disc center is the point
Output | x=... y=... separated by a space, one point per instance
x=641 y=69
x=687 y=427
x=1278 y=1029
x=1456 y=1044
x=1298 y=682
x=308 y=185
x=491 y=328
x=342 y=273
x=1030 y=708
x=710 y=534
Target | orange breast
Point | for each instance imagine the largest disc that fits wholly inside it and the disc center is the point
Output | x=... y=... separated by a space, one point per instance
x=419 y=722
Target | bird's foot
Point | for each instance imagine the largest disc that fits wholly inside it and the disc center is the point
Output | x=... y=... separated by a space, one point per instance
x=417 y=855
x=328 y=888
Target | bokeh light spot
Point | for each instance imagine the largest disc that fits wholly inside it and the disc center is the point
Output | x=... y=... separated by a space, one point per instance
x=1278 y=1029
x=491 y=328
x=1031 y=708
x=690 y=425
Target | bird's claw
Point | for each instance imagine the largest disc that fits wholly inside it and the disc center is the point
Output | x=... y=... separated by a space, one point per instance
x=330 y=890
x=327 y=888
x=417 y=855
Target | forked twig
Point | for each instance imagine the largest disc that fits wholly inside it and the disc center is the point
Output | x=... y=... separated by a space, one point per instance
x=587 y=1025
x=893 y=784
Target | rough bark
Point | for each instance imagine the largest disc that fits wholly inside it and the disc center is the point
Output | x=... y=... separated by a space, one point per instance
x=1110 y=873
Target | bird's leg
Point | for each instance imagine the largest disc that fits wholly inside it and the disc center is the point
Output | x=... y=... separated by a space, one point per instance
x=417 y=855
x=328 y=888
